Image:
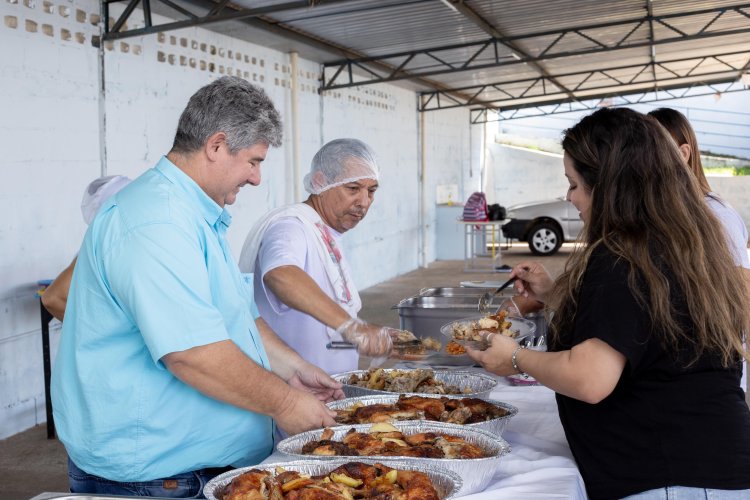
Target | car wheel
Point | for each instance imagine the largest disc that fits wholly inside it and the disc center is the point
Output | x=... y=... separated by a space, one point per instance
x=545 y=239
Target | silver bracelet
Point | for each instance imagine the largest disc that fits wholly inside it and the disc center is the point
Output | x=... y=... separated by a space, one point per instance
x=515 y=363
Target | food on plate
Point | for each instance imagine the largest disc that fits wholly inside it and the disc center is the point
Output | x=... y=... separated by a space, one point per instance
x=455 y=349
x=450 y=410
x=346 y=482
x=432 y=344
x=479 y=329
x=419 y=380
x=416 y=350
x=403 y=336
x=383 y=439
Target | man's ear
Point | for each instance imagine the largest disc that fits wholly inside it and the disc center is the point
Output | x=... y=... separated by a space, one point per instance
x=214 y=144
x=685 y=151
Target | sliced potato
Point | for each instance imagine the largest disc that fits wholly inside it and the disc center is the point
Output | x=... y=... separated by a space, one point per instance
x=345 y=480
x=394 y=440
x=391 y=476
x=382 y=427
x=296 y=483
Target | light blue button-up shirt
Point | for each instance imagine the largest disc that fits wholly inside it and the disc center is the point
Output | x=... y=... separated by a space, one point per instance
x=154 y=276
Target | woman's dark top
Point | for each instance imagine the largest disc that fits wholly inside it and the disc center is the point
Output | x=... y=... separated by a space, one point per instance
x=664 y=424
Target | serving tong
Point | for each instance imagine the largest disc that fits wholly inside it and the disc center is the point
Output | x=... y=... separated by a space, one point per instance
x=486 y=299
x=402 y=344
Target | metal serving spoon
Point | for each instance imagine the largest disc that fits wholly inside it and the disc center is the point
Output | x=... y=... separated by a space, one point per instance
x=486 y=299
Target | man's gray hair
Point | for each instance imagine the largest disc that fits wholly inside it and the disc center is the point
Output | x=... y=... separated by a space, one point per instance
x=241 y=110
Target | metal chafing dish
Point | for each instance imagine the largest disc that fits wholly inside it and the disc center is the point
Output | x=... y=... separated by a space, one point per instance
x=495 y=426
x=455 y=291
x=479 y=385
x=424 y=316
x=475 y=472
x=446 y=482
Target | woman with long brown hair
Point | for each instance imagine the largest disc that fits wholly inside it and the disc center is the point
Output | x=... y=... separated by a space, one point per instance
x=646 y=337
x=683 y=134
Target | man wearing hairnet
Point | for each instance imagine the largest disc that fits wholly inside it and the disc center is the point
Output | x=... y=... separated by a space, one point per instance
x=303 y=287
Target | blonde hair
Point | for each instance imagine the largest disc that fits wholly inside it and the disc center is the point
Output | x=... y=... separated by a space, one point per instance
x=649 y=211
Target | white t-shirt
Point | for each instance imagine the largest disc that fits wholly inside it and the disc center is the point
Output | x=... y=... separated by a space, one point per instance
x=734 y=227
x=288 y=241
x=736 y=232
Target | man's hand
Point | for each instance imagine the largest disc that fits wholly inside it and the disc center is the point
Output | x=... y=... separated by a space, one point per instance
x=312 y=379
x=371 y=340
x=302 y=411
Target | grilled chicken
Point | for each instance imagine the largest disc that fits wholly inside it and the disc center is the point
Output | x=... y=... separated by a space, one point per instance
x=347 y=482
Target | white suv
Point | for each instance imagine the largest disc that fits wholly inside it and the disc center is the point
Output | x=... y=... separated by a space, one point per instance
x=544 y=224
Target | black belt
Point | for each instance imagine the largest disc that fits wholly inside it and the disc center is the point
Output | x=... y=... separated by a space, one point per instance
x=215 y=471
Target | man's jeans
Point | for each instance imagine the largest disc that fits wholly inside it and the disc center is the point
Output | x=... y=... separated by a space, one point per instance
x=685 y=493
x=186 y=485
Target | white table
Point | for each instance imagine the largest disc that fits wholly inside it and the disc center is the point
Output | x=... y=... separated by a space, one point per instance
x=540 y=466
x=482 y=245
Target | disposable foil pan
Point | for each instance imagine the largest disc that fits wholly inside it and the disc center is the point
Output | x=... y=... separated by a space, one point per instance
x=446 y=482
x=475 y=472
x=495 y=426
x=477 y=385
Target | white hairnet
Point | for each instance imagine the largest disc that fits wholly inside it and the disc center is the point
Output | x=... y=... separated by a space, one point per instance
x=98 y=191
x=339 y=162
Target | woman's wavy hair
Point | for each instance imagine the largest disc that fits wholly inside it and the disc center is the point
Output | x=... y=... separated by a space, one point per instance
x=648 y=209
x=682 y=132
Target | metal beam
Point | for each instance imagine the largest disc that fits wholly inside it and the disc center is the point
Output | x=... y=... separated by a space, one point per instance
x=524 y=88
x=490 y=29
x=483 y=115
x=547 y=53
x=216 y=15
x=264 y=22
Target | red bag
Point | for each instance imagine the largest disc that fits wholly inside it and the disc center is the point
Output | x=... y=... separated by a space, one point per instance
x=475 y=208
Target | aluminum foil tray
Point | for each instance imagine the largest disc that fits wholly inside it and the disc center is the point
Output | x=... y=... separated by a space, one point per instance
x=496 y=426
x=446 y=482
x=475 y=472
x=478 y=384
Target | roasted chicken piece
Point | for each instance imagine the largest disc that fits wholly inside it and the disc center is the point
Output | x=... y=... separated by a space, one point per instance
x=248 y=486
x=365 y=444
x=418 y=380
x=433 y=408
x=350 y=481
x=460 y=415
x=417 y=486
x=455 y=411
x=454 y=447
x=396 y=444
x=328 y=448
x=385 y=413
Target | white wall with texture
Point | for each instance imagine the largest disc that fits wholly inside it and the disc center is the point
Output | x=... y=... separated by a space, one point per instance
x=54 y=143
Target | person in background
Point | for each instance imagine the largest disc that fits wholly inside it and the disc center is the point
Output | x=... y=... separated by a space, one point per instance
x=97 y=192
x=303 y=285
x=682 y=132
x=166 y=374
x=647 y=332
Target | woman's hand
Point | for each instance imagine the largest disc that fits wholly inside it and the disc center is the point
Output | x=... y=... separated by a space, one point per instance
x=497 y=358
x=534 y=281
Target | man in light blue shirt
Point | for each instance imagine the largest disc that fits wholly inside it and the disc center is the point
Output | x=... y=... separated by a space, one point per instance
x=165 y=371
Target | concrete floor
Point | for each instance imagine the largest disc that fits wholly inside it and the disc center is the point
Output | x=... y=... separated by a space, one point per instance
x=31 y=464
